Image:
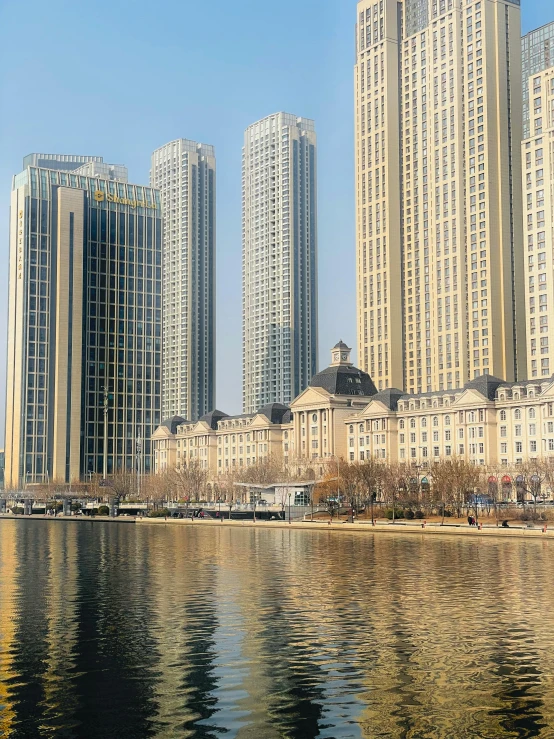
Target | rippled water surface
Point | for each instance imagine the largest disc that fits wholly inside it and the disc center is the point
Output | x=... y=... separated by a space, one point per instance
x=178 y=631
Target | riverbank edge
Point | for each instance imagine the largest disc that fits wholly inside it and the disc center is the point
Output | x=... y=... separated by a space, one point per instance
x=388 y=528
x=382 y=528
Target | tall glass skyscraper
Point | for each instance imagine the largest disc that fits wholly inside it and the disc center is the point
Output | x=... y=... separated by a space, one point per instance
x=279 y=259
x=184 y=172
x=84 y=320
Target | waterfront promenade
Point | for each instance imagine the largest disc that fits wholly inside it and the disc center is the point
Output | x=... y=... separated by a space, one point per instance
x=520 y=531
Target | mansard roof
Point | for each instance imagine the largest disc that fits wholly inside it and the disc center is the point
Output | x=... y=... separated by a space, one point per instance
x=487 y=385
x=275 y=412
x=173 y=423
x=389 y=397
x=344 y=380
x=213 y=418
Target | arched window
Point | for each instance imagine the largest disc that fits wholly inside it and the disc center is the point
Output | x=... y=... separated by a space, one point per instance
x=402 y=424
x=435 y=420
x=447 y=420
x=423 y=423
x=412 y=423
x=351 y=429
x=532 y=413
x=517 y=414
x=361 y=427
x=502 y=415
x=314 y=417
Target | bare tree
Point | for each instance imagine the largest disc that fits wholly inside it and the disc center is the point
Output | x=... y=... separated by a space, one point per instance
x=122 y=484
x=535 y=473
x=264 y=472
x=465 y=478
x=442 y=488
x=189 y=480
x=158 y=488
x=394 y=486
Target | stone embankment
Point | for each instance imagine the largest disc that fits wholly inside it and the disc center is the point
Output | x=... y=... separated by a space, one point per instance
x=414 y=529
x=433 y=529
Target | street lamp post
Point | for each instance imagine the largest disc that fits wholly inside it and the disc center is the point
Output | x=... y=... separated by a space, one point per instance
x=105 y=460
x=372 y=501
x=139 y=463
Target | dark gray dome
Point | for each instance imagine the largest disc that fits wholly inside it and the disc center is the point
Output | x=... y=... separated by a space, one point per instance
x=344 y=380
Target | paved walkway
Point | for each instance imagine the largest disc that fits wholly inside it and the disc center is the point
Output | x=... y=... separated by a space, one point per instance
x=411 y=528
x=433 y=529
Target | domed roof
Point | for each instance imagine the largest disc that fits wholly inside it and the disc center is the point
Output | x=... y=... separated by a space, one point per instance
x=341 y=345
x=344 y=380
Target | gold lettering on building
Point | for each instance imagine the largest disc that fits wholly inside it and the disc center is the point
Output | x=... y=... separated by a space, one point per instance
x=100 y=197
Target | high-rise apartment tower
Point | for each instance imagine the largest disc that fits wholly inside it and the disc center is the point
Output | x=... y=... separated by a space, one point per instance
x=537 y=54
x=184 y=172
x=84 y=326
x=279 y=260
x=439 y=214
x=538 y=197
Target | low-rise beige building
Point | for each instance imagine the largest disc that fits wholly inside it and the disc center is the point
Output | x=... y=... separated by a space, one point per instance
x=342 y=416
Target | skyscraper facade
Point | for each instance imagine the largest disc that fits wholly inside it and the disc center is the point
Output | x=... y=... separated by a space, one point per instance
x=84 y=325
x=279 y=260
x=538 y=195
x=537 y=54
x=185 y=173
x=440 y=287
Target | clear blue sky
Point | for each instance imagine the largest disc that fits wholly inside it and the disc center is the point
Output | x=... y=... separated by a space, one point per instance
x=119 y=78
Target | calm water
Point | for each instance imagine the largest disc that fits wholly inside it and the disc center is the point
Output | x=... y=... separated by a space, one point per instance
x=152 y=631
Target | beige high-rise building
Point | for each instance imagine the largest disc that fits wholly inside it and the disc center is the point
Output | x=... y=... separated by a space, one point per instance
x=538 y=185
x=279 y=259
x=439 y=213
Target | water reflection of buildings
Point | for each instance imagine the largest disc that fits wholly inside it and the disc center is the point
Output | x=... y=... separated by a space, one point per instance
x=180 y=631
x=8 y=565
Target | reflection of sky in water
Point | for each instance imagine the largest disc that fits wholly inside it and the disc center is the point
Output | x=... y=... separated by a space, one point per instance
x=122 y=631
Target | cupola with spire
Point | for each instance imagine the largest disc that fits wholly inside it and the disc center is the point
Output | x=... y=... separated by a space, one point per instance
x=340 y=354
x=341 y=377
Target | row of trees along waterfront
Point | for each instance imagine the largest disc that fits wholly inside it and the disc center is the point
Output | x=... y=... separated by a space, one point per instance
x=447 y=487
